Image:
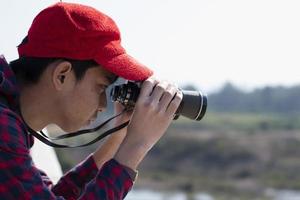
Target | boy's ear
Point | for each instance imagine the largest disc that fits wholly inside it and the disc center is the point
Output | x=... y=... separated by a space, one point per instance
x=62 y=72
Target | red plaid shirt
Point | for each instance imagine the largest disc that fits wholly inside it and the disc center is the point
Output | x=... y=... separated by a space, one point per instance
x=20 y=179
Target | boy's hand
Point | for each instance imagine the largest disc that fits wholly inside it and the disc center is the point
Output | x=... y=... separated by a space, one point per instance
x=153 y=113
x=118 y=108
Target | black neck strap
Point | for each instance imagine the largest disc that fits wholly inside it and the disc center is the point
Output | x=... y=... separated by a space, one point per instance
x=47 y=140
x=85 y=131
x=52 y=144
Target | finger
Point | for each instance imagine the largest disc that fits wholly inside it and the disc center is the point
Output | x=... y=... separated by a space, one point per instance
x=118 y=107
x=127 y=115
x=174 y=104
x=167 y=97
x=147 y=87
x=159 y=90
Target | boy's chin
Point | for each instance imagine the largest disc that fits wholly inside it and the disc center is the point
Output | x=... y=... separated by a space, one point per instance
x=70 y=129
x=87 y=125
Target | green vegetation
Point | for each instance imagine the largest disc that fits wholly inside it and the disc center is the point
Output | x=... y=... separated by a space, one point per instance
x=246 y=143
x=242 y=122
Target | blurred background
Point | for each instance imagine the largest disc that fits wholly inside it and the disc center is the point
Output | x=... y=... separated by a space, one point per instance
x=243 y=54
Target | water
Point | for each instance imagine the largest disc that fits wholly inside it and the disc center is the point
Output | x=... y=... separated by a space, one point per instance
x=286 y=195
x=152 y=195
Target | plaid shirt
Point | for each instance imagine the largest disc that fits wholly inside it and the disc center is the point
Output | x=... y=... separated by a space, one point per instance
x=20 y=179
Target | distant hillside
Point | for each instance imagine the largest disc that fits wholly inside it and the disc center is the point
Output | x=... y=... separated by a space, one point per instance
x=283 y=100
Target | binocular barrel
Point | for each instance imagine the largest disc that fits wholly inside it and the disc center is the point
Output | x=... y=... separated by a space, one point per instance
x=192 y=106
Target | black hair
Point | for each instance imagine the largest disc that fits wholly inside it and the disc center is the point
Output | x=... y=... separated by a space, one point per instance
x=28 y=70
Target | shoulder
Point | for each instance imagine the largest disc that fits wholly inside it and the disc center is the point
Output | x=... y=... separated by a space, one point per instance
x=3 y=61
x=12 y=132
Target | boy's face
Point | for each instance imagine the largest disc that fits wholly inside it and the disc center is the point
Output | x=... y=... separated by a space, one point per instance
x=83 y=99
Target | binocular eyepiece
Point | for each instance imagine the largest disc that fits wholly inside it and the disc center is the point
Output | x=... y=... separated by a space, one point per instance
x=192 y=106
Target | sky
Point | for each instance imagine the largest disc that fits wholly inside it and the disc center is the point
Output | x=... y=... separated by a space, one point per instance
x=250 y=43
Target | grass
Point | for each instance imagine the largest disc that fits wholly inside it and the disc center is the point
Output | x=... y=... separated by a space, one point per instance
x=231 y=155
x=241 y=121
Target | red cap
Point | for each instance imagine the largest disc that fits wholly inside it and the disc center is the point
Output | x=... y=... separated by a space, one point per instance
x=75 y=31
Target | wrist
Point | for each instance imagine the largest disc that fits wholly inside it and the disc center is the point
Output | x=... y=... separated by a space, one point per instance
x=109 y=148
x=130 y=154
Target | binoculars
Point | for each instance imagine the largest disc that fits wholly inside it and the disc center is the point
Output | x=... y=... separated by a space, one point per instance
x=192 y=106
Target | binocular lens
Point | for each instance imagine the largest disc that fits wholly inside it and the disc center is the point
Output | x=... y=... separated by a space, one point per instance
x=193 y=105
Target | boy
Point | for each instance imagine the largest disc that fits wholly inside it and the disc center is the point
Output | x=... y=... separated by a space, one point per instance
x=71 y=54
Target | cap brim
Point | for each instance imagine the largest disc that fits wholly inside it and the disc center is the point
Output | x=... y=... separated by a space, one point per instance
x=126 y=67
